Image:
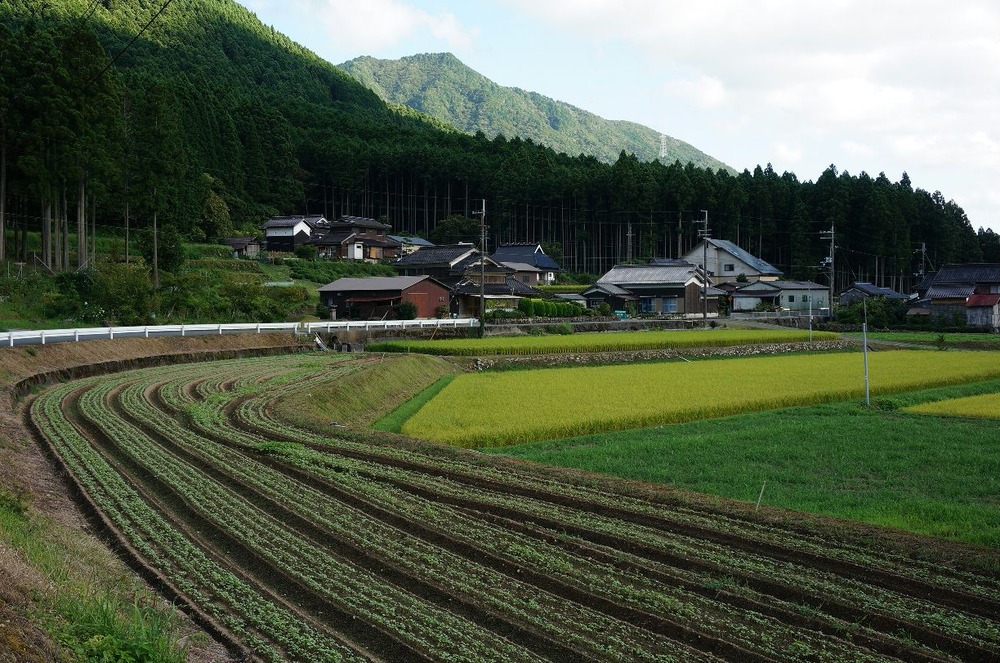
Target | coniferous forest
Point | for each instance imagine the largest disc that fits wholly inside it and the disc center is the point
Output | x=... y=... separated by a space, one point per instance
x=116 y=115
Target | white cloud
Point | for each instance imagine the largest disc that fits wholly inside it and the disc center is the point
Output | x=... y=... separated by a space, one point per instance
x=373 y=25
x=705 y=92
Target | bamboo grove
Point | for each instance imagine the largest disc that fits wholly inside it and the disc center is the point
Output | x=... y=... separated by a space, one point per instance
x=115 y=115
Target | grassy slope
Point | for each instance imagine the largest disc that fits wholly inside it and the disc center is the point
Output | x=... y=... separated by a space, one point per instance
x=931 y=475
x=362 y=398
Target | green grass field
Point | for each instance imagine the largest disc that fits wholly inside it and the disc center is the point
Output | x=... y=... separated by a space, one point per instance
x=932 y=475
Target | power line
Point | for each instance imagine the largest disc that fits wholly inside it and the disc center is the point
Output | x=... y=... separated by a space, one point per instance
x=128 y=45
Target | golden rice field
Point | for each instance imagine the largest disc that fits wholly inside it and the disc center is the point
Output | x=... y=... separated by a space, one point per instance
x=984 y=406
x=497 y=409
x=600 y=342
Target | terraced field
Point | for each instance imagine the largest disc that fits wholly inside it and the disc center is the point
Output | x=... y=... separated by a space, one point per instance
x=292 y=545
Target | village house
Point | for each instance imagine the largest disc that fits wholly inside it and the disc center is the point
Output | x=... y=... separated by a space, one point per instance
x=798 y=296
x=952 y=288
x=283 y=233
x=530 y=263
x=461 y=268
x=356 y=238
x=860 y=290
x=725 y=261
x=376 y=297
x=674 y=289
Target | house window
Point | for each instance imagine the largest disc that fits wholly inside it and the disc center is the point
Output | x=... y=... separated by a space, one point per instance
x=791 y=299
x=646 y=305
x=805 y=298
x=670 y=305
x=729 y=267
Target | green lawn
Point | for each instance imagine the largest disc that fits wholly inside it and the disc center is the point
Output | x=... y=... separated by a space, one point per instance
x=933 y=338
x=931 y=475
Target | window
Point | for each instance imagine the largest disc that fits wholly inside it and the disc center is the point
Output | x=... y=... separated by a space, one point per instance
x=791 y=299
x=646 y=305
x=729 y=267
x=670 y=305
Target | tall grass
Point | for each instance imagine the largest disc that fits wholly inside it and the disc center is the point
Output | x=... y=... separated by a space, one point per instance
x=88 y=610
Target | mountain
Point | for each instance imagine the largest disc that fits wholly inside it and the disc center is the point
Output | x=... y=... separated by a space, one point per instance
x=193 y=115
x=441 y=86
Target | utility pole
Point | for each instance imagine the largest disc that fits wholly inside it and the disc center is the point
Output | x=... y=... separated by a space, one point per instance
x=828 y=234
x=482 y=268
x=705 y=236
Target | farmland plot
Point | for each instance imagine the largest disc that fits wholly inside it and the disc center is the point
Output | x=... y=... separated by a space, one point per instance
x=297 y=546
x=474 y=410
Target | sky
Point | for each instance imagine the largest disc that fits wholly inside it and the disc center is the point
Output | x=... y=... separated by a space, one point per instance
x=870 y=86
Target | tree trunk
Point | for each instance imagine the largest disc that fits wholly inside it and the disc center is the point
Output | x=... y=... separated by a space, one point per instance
x=3 y=196
x=81 y=224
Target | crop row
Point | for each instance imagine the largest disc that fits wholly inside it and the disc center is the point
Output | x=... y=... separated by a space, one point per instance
x=600 y=342
x=875 y=598
x=463 y=579
x=253 y=409
x=419 y=625
x=456 y=555
x=265 y=628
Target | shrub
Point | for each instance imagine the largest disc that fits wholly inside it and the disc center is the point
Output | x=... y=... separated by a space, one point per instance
x=406 y=310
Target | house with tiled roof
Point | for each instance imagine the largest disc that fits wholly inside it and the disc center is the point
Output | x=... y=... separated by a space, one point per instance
x=799 y=296
x=725 y=261
x=462 y=268
x=284 y=233
x=529 y=261
x=952 y=287
x=674 y=289
x=861 y=290
x=356 y=238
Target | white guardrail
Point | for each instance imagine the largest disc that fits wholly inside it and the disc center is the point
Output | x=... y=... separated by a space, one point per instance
x=44 y=336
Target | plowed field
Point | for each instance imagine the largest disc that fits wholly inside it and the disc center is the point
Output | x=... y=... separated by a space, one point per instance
x=291 y=545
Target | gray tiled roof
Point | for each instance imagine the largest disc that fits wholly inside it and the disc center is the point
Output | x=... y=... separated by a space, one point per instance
x=436 y=255
x=360 y=222
x=528 y=253
x=762 y=266
x=876 y=291
x=313 y=221
x=626 y=275
x=413 y=241
x=972 y=273
x=951 y=291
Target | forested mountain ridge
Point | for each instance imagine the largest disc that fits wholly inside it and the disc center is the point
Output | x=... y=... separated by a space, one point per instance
x=194 y=115
x=442 y=86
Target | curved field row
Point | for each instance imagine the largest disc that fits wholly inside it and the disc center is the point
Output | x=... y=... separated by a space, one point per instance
x=359 y=547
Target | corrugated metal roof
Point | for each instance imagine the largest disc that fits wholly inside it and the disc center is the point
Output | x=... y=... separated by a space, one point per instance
x=291 y=221
x=412 y=241
x=372 y=283
x=982 y=300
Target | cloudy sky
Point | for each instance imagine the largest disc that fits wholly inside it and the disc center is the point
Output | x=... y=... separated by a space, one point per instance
x=878 y=86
